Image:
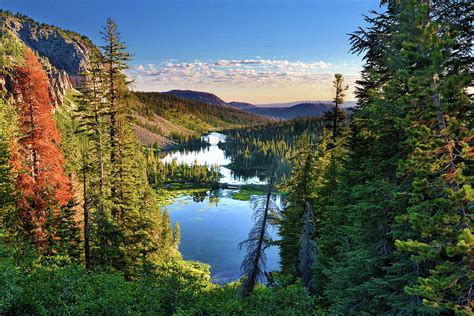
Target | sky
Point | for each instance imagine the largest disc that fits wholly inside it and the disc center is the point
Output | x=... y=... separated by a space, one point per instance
x=258 y=51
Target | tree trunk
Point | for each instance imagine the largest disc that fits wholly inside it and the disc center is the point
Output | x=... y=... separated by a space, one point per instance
x=86 y=221
x=253 y=276
x=448 y=145
x=336 y=111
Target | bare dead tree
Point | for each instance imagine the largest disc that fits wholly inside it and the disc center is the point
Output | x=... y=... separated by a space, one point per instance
x=258 y=240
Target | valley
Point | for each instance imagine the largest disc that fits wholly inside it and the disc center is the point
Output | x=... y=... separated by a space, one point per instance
x=126 y=190
x=212 y=221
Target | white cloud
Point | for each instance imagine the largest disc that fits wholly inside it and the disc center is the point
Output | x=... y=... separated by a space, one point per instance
x=238 y=73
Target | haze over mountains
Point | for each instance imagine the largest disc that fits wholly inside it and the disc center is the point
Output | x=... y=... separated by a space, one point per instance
x=346 y=104
x=286 y=111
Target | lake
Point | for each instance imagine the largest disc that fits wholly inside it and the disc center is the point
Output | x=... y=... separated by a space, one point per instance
x=213 y=225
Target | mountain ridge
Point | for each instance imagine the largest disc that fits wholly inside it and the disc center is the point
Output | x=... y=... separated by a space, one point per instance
x=65 y=55
x=296 y=109
x=200 y=96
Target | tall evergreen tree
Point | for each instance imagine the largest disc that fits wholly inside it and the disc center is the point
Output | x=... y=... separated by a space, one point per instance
x=8 y=193
x=391 y=187
x=44 y=189
x=167 y=231
x=357 y=242
x=85 y=170
x=176 y=235
x=338 y=115
x=121 y=201
x=115 y=59
x=301 y=190
x=92 y=117
x=308 y=248
x=437 y=135
x=127 y=170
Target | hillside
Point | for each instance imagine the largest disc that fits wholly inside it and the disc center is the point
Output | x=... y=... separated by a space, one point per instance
x=165 y=115
x=241 y=105
x=66 y=54
x=299 y=110
x=346 y=104
x=285 y=111
x=209 y=98
x=203 y=97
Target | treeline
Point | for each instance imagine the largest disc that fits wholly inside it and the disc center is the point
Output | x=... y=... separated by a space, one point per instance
x=267 y=146
x=195 y=115
x=377 y=217
x=184 y=143
x=95 y=206
x=81 y=228
x=161 y=173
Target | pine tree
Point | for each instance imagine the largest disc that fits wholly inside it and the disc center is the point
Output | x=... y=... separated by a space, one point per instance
x=437 y=134
x=93 y=126
x=308 y=248
x=85 y=171
x=301 y=190
x=364 y=273
x=67 y=232
x=166 y=232
x=8 y=194
x=391 y=188
x=125 y=155
x=91 y=114
x=121 y=202
x=338 y=116
x=44 y=189
x=115 y=59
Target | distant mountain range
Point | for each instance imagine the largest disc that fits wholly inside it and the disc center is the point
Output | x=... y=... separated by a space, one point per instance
x=241 y=105
x=286 y=111
x=204 y=97
x=346 y=104
x=303 y=109
x=159 y=118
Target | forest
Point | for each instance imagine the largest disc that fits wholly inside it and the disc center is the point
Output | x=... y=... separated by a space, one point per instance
x=194 y=118
x=376 y=214
x=268 y=146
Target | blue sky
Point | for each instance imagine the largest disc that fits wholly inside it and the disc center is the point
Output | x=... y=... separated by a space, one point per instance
x=257 y=51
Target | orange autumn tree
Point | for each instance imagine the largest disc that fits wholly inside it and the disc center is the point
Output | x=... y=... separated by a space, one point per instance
x=45 y=199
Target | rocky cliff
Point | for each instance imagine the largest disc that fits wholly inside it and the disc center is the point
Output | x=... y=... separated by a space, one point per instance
x=65 y=54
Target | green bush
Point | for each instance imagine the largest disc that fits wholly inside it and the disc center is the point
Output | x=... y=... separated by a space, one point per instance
x=176 y=287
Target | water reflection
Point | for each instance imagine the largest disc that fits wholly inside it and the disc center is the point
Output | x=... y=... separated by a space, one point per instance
x=199 y=196
x=213 y=155
x=212 y=223
x=212 y=229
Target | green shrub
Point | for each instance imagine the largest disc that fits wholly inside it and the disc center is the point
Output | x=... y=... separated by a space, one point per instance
x=176 y=287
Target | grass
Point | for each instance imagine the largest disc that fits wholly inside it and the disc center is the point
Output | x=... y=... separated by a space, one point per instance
x=165 y=196
x=246 y=191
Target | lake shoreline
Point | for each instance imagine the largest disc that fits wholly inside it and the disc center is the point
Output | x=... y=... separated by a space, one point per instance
x=214 y=221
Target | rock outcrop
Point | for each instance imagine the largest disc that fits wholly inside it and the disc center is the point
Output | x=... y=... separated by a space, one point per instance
x=65 y=54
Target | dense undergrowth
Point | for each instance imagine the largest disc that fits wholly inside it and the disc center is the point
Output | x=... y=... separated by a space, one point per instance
x=28 y=286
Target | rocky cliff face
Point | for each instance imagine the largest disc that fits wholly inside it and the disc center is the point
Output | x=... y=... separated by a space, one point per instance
x=65 y=54
x=59 y=82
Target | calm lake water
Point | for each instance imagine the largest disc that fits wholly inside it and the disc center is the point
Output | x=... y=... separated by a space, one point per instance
x=213 y=225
